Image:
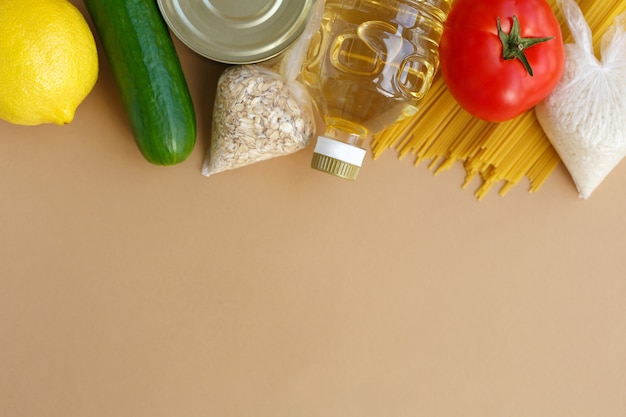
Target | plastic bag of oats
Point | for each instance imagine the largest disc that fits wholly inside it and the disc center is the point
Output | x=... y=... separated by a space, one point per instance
x=262 y=111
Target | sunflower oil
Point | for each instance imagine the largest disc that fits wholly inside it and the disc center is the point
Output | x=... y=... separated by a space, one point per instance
x=370 y=65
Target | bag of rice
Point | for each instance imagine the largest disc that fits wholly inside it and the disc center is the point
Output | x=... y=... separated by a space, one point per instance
x=262 y=110
x=585 y=116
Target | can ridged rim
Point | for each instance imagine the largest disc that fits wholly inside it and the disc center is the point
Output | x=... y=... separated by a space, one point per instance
x=236 y=31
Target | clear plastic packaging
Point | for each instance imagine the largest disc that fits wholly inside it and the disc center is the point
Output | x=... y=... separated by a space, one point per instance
x=370 y=66
x=262 y=111
x=585 y=116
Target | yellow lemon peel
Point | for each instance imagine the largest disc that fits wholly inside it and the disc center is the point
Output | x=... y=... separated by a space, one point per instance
x=49 y=61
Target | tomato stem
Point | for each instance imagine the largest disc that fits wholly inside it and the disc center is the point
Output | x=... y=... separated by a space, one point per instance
x=513 y=45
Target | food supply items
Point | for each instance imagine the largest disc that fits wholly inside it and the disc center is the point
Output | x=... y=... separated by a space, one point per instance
x=371 y=65
x=262 y=111
x=499 y=58
x=502 y=155
x=49 y=61
x=149 y=76
x=236 y=31
x=257 y=116
x=585 y=116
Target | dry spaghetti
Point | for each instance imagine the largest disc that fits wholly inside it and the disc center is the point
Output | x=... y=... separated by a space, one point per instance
x=502 y=153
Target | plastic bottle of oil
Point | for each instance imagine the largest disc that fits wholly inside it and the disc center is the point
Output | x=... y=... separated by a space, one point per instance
x=370 y=65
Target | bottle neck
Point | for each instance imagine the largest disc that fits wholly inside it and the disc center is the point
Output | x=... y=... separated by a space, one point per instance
x=347 y=132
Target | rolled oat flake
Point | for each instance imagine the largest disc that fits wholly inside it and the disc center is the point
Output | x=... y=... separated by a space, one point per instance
x=236 y=31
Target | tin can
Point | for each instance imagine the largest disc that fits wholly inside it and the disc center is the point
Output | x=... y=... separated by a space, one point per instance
x=236 y=31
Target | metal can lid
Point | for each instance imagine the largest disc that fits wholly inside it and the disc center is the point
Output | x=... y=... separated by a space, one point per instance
x=236 y=31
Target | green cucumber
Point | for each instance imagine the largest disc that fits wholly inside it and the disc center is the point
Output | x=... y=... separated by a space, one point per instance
x=149 y=76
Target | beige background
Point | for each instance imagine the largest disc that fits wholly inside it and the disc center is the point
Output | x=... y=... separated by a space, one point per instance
x=128 y=289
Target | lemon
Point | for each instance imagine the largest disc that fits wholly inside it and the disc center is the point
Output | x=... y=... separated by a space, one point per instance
x=48 y=61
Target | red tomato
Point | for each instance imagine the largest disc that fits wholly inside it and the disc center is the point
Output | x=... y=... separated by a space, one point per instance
x=484 y=82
